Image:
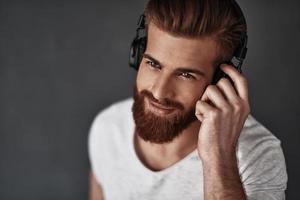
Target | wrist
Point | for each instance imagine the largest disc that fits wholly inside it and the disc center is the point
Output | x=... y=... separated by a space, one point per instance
x=218 y=156
x=222 y=179
x=226 y=166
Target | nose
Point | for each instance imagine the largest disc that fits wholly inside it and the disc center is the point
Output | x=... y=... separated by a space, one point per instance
x=162 y=88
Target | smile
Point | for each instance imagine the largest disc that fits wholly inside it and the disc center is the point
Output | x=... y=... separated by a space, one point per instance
x=158 y=108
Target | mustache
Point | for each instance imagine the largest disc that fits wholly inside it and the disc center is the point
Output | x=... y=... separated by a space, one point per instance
x=164 y=102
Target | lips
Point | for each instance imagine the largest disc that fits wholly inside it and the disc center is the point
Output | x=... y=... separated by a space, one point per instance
x=158 y=108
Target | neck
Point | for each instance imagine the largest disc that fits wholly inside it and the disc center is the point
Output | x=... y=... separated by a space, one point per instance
x=164 y=155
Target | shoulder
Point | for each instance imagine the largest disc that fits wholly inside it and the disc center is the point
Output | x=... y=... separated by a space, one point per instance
x=261 y=160
x=256 y=139
x=254 y=133
x=114 y=112
x=113 y=119
x=109 y=134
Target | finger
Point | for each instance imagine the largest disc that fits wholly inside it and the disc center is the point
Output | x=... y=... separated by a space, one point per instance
x=202 y=108
x=240 y=82
x=228 y=90
x=213 y=94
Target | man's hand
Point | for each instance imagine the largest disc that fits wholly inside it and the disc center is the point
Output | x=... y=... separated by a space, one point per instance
x=222 y=111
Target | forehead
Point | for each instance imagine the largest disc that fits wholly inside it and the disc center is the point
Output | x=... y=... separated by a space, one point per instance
x=180 y=51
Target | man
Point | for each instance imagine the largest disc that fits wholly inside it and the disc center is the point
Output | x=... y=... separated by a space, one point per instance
x=186 y=138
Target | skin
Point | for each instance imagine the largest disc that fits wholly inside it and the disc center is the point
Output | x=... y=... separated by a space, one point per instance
x=221 y=109
x=95 y=189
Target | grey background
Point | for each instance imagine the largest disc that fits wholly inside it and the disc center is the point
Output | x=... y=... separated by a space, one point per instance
x=63 y=61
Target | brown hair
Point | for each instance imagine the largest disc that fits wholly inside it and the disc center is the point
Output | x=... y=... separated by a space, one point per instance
x=199 y=18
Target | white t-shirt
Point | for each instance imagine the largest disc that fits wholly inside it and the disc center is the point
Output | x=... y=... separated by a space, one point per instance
x=123 y=176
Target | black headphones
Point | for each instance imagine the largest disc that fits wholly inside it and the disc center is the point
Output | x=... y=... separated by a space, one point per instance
x=139 y=43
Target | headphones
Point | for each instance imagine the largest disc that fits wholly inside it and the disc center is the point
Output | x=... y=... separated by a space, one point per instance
x=139 y=43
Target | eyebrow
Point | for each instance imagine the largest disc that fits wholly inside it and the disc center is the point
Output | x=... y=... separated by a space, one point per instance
x=180 y=69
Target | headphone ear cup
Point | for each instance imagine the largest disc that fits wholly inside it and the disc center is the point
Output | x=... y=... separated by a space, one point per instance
x=132 y=54
x=138 y=47
x=141 y=50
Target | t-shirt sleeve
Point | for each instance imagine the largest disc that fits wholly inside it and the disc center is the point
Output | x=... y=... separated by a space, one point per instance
x=262 y=165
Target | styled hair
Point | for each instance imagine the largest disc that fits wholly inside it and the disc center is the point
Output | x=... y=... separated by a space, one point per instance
x=197 y=19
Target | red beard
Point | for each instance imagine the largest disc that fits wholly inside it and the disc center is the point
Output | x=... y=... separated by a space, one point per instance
x=158 y=129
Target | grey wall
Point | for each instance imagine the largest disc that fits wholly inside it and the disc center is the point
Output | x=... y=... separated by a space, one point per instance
x=63 y=61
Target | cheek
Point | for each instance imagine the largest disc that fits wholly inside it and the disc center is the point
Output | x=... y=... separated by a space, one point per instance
x=141 y=79
x=145 y=79
x=189 y=96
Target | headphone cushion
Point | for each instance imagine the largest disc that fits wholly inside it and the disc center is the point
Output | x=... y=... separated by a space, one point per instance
x=138 y=47
x=141 y=47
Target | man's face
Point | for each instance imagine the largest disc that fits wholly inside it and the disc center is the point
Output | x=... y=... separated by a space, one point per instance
x=172 y=76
